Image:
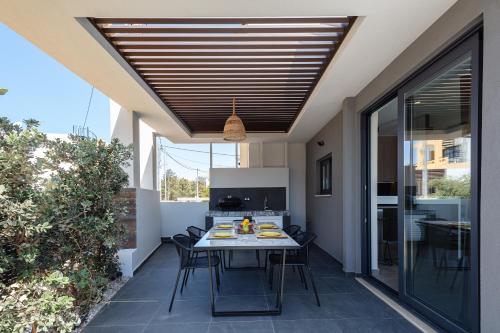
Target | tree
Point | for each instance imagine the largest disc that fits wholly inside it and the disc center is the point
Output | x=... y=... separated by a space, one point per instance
x=451 y=187
x=59 y=228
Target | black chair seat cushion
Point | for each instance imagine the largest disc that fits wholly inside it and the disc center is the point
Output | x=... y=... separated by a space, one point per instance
x=202 y=262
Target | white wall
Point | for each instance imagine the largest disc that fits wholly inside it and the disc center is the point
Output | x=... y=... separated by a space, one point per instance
x=249 y=177
x=148 y=219
x=297 y=192
x=120 y=121
x=274 y=155
x=147 y=167
x=326 y=212
x=177 y=216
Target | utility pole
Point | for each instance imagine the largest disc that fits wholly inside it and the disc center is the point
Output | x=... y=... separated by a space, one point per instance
x=197 y=183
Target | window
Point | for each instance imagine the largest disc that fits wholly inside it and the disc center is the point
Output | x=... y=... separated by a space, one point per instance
x=224 y=155
x=183 y=171
x=325 y=175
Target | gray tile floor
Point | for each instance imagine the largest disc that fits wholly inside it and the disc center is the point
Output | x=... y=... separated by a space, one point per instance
x=346 y=306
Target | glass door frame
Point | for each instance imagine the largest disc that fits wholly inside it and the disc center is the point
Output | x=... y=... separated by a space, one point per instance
x=470 y=42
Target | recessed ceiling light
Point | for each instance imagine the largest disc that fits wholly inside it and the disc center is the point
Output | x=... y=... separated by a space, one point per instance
x=417 y=102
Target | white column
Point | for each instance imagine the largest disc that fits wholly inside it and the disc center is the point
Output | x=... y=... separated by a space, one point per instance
x=121 y=127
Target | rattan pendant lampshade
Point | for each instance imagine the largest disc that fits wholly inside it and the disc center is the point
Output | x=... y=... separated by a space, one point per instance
x=234 y=130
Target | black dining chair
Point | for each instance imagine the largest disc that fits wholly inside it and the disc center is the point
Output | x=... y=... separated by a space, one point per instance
x=184 y=246
x=196 y=234
x=299 y=259
x=291 y=231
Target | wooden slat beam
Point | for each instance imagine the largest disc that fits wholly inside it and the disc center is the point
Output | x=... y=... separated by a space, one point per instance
x=205 y=30
x=225 y=20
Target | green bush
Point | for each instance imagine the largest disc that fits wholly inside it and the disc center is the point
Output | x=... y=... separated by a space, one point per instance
x=59 y=229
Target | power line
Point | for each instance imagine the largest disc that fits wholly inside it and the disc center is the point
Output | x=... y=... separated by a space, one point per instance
x=197 y=151
x=187 y=159
x=182 y=165
x=88 y=106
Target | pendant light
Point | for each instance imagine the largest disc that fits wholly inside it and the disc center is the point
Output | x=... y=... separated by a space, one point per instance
x=234 y=130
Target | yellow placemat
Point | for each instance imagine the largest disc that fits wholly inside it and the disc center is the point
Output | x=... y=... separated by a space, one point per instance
x=267 y=226
x=224 y=226
x=271 y=234
x=221 y=235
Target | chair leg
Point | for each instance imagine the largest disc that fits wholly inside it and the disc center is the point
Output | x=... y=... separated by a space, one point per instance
x=221 y=256
x=280 y=268
x=175 y=290
x=217 y=278
x=257 y=255
x=302 y=276
x=313 y=284
x=266 y=253
x=187 y=276
x=460 y=266
x=271 y=276
x=184 y=279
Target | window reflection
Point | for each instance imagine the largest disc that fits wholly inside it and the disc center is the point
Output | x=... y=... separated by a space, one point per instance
x=437 y=217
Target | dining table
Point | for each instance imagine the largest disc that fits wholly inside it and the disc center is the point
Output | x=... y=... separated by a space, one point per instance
x=251 y=241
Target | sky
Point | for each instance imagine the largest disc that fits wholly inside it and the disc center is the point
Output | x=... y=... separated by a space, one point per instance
x=43 y=89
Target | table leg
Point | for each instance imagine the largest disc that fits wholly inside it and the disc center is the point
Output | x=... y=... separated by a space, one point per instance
x=282 y=287
x=212 y=297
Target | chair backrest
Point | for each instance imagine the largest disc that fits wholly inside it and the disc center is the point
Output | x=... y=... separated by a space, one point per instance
x=195 y=233
x=292 y=229
x=304 y=239
x=184 y=247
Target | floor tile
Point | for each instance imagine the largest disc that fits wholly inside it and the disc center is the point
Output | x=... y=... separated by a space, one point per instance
x=242 y=327
x=344 y=326
x=178 y=328
x=125 y=313
x=241 y=303
x=346 y=306
x=114 y=329
x=183 y=311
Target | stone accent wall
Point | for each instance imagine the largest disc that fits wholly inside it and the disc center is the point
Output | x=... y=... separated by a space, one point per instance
x=129 y=220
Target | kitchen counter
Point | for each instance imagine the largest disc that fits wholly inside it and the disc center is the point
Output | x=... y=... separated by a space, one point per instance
x=219 y=213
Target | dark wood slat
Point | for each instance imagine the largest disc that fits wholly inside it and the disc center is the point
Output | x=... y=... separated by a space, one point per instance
x=242 y=103
x=232 y=84
x=218 y=53
x=222 y=90
x=225 y=20
x=227 y=66
x=269 y=112
x=222 y=47
x=227 y=76
x=235 y=94
x=241 y=106
x=240 y=99
x=227 y=60
x=223 y=71
x=202 y=89
x=205 y=30
x=264 y=38
x=178 y=78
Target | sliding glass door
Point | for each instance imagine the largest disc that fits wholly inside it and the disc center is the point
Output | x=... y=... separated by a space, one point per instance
x=438 y=187
x=422 y=181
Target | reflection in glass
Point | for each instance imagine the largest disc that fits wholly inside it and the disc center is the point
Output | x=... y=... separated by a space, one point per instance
x=437 y=179
x=384 y=200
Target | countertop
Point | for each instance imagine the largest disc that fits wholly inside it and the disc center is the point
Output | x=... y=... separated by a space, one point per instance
x=238 y=213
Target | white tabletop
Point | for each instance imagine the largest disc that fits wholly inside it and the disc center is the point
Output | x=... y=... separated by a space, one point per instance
x=245 y=242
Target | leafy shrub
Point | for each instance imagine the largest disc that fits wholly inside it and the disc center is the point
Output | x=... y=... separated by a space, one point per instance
x=59 y=229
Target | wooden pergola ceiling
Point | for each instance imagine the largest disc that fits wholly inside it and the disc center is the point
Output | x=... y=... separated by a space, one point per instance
x=197 y=65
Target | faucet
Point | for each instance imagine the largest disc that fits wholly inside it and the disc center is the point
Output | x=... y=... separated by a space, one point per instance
x=265 y=203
